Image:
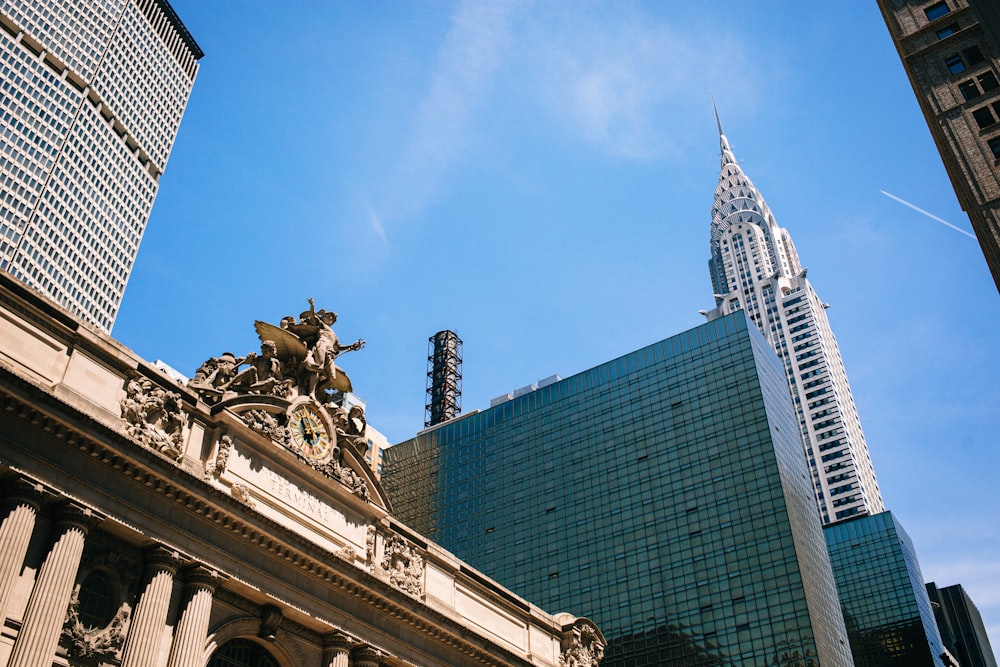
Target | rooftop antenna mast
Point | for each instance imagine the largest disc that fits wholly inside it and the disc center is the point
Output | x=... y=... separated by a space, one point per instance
x=444 y=377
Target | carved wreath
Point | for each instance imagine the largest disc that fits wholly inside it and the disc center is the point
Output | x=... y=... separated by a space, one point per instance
x=90 y=645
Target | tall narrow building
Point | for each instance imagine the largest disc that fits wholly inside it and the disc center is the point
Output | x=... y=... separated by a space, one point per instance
x=91 y=99
x=755 y=268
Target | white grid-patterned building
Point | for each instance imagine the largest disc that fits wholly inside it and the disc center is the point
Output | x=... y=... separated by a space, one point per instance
x=91 y=96
x=755 y=268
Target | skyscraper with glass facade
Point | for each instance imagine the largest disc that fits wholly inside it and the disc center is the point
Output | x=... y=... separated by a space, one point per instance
x=961 y=625
x=755 y=268
x=888 y=614
x=663 y=493
x=91 y=99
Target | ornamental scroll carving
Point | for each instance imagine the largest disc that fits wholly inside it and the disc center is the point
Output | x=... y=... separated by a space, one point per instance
x=155 y=418
x=402 y=566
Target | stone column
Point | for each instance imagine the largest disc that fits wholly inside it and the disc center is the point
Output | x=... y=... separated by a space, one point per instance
x=20 y=510
x=188 y=648
x=46 y=611
x=142 y=645
x=336 y=650
x=366 y=656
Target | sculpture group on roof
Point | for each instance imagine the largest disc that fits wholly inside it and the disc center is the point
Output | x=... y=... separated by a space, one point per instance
x=296 y=365
x=297 y=358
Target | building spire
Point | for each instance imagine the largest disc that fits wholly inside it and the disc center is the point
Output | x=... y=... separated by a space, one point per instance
x=727 y=152
x=717 y=121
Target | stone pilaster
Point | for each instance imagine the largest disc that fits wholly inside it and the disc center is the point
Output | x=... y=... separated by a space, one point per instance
x=366 y=656
x=20 y=511
x=336 y=650
x=142 y=645
x=43 y=618
x=188 y=648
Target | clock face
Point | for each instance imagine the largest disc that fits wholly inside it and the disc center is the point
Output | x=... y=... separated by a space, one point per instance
x=309 y=433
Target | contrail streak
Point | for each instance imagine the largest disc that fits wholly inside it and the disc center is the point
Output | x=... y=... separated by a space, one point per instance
x=929 y=215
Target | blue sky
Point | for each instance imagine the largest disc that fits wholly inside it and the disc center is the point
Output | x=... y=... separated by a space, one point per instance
x=538 y=176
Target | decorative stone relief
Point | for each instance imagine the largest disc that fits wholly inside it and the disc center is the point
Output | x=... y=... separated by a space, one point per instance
x=402 y=566
x=242 y=493
x=352 y=480
x=93 y=646
x=582 y=646
x=266 y=424
x=346 y=552
x=215 y=469
x=155 y=418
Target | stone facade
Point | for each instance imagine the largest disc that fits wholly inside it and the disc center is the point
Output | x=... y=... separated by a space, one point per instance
x=950 y=50
x=145 y=523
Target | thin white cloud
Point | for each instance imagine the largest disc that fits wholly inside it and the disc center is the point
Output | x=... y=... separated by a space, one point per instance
x=470 y=55
x=612 y=76
x=606 y=73
x=376 y=223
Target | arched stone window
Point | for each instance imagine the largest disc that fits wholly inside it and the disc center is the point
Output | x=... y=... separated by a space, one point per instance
x=242 y=653
x=98 y=600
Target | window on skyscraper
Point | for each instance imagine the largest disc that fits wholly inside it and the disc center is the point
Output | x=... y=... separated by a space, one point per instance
x=959 y=62
x=936 y=11
x=947 y=31
x=969 y=90
x=988 y=81
x=994 y=144
x=972 y=55
x=984 y=117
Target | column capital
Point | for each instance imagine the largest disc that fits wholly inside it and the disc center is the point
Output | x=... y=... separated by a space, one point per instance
x=338 y=640
x=22 y=489
x=366 y=656
x=203 y=576
x=74 y=514
x=160 y=557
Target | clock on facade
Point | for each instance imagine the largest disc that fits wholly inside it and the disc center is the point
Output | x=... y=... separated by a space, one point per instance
x=309 y=433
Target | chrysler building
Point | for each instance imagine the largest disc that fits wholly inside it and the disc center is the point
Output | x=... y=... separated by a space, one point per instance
x=755 y=268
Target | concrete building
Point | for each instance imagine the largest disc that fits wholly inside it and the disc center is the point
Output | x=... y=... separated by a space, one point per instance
x=961 y=626
x=755 y=268
x=142 y=526
x=950 y=50
x=886 y=608
x=91 y=100
x=663 y=493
